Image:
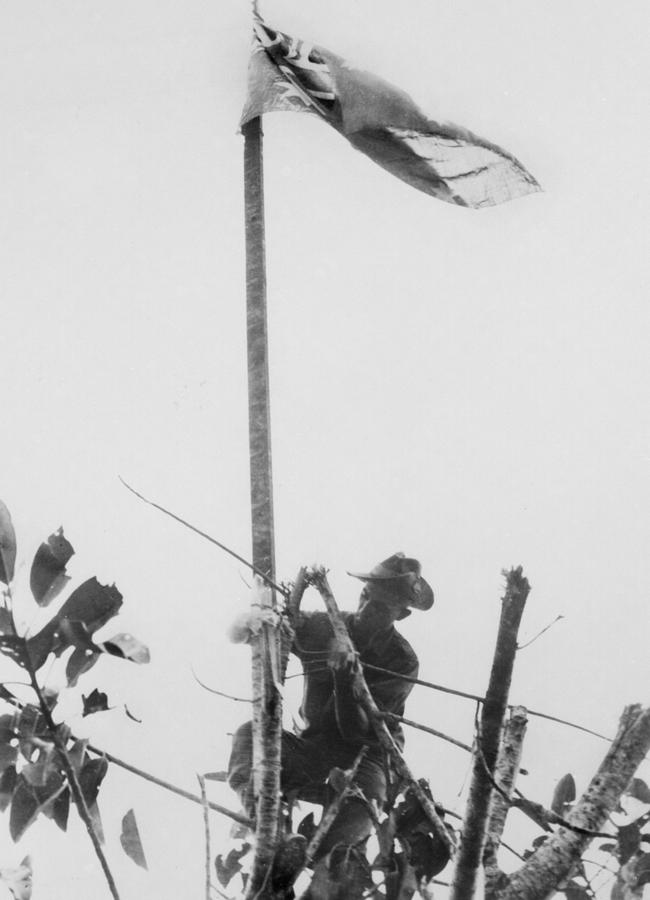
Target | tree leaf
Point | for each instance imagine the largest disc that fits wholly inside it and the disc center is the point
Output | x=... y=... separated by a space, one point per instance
x=575 y=891
x=7 y=545
x=127 y=647
x=307 y=827
x=80 y=661
x=77 y=754
x=217 y=776
x=8 y=742
x=32 y=731
x=607 y=848
x=24 y=808
x=6 y=622
x=96 y=819
x=564 y=794
x=90 y=778
x=642 y=869
x=227 y=868
x=7 y=786
x=19 y=880
x=639 y=790
x=130 y=840
x=47 y=577
x=61 y=809
x=96 y=701
x=629 y=841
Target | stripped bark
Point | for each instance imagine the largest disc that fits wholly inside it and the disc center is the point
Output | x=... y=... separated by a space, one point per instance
x=553 y=861
x=267 y=734
x=318 y=578
x=507 y=769
x=488 y=738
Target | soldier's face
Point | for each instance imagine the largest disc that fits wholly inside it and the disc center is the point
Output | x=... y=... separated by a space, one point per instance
x=381 y=599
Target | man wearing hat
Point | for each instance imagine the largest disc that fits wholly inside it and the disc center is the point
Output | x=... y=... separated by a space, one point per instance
x=336 y=727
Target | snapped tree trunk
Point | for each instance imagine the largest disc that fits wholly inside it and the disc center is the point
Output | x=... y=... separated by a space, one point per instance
x=488 y=738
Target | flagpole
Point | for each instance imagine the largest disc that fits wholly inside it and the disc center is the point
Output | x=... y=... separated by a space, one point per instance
x=267 y=703
x=259 y=419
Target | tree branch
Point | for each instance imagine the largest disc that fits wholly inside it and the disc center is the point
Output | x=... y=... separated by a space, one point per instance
x=554 y=859
x=493 y=711
x=332 y=811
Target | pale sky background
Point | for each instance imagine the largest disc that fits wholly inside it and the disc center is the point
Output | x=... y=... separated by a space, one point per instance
x=468 y=387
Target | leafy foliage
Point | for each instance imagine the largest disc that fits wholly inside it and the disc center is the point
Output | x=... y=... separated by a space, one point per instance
x=41 y=763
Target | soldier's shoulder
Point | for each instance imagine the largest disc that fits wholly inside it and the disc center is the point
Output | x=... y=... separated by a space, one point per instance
x=405 y=654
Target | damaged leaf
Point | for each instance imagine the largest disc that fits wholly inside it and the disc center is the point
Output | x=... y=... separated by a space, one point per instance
x=127 y=647
x=96 y=701
x=227 y=868
x=48 y=576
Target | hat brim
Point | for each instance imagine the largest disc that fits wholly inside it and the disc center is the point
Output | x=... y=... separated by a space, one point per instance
x=367 y=576
x=421 y=597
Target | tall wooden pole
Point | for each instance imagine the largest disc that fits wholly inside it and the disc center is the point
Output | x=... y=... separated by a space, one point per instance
x=267 y=704
x=259 y=419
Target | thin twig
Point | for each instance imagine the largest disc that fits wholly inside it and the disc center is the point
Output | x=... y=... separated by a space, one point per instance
x=215 y=807
x=203 y=534
x=219 y=693
x=392 y=717
x=539 y=633
x=206 y=828
x=478 y=699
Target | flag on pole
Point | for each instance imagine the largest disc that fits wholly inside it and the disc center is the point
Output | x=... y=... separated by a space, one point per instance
x=380 y=120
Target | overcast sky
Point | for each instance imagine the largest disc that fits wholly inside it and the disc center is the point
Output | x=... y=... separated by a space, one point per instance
x=468 y=387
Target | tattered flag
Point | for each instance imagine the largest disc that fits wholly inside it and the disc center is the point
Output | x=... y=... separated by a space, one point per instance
x=380 y=120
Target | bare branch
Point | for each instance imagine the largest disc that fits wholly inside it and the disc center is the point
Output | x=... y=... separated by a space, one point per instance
x=203 y=534
x=332 y=811
x=391 y=717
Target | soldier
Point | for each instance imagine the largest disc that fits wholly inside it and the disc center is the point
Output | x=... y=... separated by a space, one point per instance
x=336 y=726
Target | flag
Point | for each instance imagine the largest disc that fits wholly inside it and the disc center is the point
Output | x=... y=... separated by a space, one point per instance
x=380 y=120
